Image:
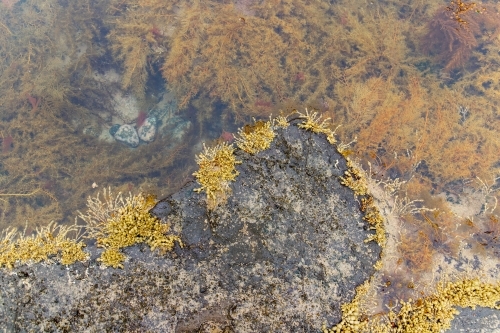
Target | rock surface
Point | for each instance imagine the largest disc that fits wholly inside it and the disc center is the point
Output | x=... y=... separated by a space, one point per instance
x=281 y=255
x=480 y=320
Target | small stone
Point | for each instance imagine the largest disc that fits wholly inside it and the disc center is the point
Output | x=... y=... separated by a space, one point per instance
x=127 y=135
x=114 y=129
x=147 y=130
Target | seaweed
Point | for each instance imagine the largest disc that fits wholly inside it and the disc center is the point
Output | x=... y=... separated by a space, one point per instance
x=452 y=38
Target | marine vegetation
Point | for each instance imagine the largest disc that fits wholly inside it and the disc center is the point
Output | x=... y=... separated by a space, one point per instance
x=138 y=36
x=217 y=167
x=374 y=219
x=53 y=111
x=256 y=137
x=118 y=222
x=51 y=242
x=422 y=110
x=219 y=53
x=452 y=38
x=312 y=123
x=366 y=67
x=433 y=313
x=458 y=8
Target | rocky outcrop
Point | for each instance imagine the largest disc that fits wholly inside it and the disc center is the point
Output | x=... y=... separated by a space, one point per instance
x=282 y=254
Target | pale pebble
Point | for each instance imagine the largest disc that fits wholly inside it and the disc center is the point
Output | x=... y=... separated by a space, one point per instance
x=147 y=130
x=127 y=135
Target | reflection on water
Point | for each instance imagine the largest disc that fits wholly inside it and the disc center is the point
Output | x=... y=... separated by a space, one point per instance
x=119 y=93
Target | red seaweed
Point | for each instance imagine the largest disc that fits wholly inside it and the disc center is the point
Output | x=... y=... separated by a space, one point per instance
x=141 y=118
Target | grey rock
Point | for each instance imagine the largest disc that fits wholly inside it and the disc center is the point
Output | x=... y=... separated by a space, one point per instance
x=480 y=320
x=282 y=255
x=147 y=131
x=128 y=135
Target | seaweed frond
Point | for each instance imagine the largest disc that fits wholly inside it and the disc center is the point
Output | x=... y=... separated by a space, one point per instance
x=217 y=169
x=256 y=137
x=49 y=241
x=118 y=222
x=355 y=179
x=312 y=123
x=433 y=313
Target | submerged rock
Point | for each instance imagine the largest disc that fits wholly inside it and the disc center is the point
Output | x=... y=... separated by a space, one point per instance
x=128 y=135
x=282 y=254
x=114 y=129
x=147 y=130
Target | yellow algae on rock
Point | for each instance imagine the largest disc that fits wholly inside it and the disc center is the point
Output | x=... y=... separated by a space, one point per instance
x=217 y=169
x=280 y=122
x=256 y=137
x=351 y=319
x=50 y=240
x=355 y=179
x=433 y=313
x=112 y=257
x=312 y=123
x=120 y=222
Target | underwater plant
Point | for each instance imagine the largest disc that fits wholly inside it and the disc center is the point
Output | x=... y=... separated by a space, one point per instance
x=449 y=42
x=451 y=38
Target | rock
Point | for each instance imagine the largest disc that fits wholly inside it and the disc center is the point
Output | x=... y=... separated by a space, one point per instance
x=147 y=130
x=128 y=135
x=114 y=129
x=281 y=255
x=478 y=320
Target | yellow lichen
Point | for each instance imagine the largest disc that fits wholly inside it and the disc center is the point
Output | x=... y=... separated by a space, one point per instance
x=217 y=169
x=48 y=241
x=351 y=319
x=256 y=137
x=435 y=312
x=120 y=222
x=112 y=257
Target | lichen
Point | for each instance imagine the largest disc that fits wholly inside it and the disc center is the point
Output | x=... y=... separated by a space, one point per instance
x=280 y=122
x=255 y=138
x=217 y=167
x=48 y=241
x=435 y=312
x=112 y=257
x=351 y=319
